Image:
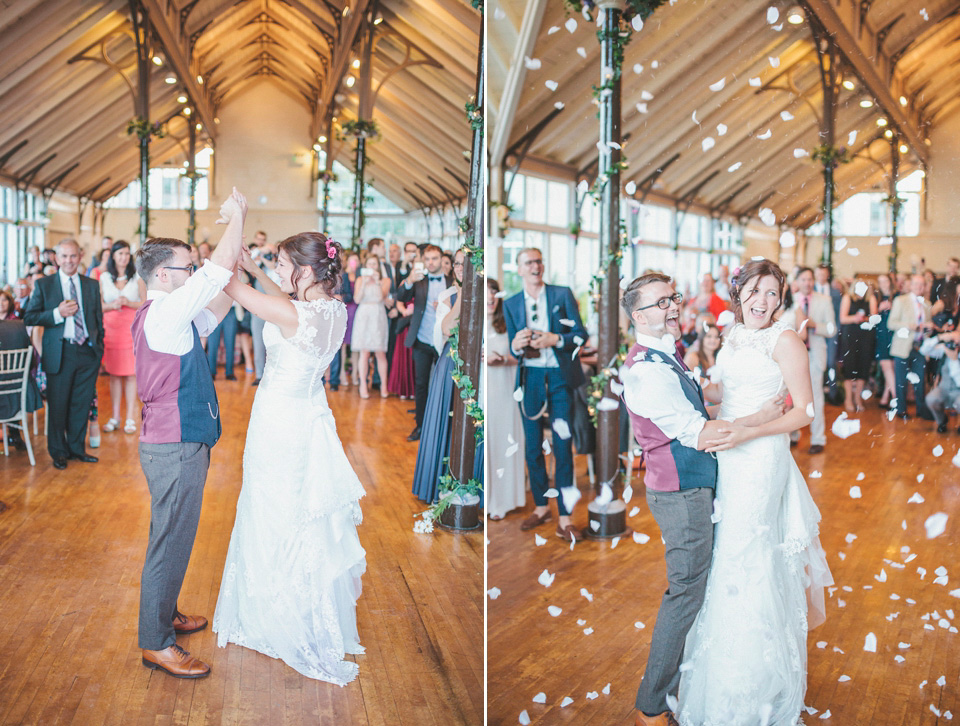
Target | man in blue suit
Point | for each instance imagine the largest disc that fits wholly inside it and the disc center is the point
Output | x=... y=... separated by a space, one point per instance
x=544 y=327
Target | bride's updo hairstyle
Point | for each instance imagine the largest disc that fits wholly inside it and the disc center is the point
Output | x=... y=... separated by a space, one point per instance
x=749 y=274
x=320 y=253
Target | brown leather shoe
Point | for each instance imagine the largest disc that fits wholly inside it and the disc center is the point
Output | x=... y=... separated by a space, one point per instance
x=534 y=520
x=175 y=661
x=664 y=719
x=569 y=533
x=815 y=449
x=186 y=624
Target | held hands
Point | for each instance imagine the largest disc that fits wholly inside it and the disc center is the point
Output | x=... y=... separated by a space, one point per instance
x=773 y=409
x=235 y=207
x=544 y=340
x=246 y=263
x=730 y=435
x=522 y=339
x=68 y=308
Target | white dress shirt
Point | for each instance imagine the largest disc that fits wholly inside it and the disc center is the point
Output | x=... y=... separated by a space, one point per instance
x=167 y=325
x=652 y=390
x=68 y=323
x=547 y=357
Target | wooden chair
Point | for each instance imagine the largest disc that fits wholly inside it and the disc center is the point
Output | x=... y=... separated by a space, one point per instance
x=14 y=377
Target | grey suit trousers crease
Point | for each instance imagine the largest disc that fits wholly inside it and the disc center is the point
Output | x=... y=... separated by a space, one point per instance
x=684 y=521
x=175 y=476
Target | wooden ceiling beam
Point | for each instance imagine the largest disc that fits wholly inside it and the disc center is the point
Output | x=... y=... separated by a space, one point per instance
x=349 y=31
x=873 y=68
x=167 y=27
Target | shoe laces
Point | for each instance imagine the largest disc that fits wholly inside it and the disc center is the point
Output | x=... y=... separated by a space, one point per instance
x=180 y=617
x=180 y=651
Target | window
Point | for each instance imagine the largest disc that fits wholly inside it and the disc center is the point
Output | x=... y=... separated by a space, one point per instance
x=169 y=187
x=868 y=215
x=18 y=233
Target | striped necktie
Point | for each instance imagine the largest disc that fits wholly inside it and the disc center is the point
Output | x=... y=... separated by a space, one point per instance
x=79 y=329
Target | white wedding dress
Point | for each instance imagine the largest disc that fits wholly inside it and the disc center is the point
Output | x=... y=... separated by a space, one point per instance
x=292 y=576
x=746 y=655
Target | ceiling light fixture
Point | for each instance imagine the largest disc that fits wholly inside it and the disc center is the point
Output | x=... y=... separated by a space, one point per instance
x=356 y=63
x=849 y=85
x=170 y=80
x=888 y=134
x=322 y=139
x=346 y=11
x=199 y=127
x=378 y=21
x=316 y=147
x=187 y=111
x=200 y=80
x=350 y=81
x=181 y=98
x=866 y=103
x=881 y=121
x=903 y=148
x=157 y=60
x=795 y=15
x=903 y=100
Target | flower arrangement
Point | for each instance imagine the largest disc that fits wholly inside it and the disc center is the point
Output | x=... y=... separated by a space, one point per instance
x=474 y=114
x=144 y=129
x=831 y=156
x=502 y=211
x=598 y=383
x=359 y=129
x=632 y=8
x=327 y=177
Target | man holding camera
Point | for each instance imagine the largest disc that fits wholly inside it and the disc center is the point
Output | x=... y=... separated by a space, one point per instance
x=544 y=327
x=947 y=393
x=909 y=320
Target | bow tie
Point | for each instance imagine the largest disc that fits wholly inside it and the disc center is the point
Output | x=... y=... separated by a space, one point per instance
x=434 y=278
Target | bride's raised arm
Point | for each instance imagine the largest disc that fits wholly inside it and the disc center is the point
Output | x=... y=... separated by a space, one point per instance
x=274 y=306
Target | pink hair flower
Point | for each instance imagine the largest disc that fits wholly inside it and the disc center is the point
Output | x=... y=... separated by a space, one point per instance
x=331 y=250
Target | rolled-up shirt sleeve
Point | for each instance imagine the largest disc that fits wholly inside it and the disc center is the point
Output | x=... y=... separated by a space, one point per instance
x=168 y=323
x=653 y=391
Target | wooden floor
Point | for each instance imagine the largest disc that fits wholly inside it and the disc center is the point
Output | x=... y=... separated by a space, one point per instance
x=71 y=550
x=530 y=652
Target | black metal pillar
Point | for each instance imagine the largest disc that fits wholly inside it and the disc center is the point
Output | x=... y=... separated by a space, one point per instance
x=138 y=17
x=828 y=56
x=359 y=163
x=894 y=201
x=472 y=303
x=364 y=113
x=328 y=170
x=611 y=517
x=192 y=170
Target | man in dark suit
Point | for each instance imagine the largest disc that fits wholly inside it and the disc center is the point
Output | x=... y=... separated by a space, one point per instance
x=67 y=306
x=424 y=289
x=544 y=327
x=411 y=254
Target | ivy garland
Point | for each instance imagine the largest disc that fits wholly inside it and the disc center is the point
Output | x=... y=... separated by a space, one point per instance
x=144 y=129
x=474 y=115
x=597 y=387
x=471 y=250
x=449 y=486
x=596 y=282
x=831 y=156
x=359 y=129
x=327 y=177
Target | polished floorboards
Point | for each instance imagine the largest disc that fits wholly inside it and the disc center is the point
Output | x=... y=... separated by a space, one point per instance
x=71 y=550
x=603 y=640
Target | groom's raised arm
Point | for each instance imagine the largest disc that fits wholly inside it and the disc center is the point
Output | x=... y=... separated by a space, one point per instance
x=233 y=212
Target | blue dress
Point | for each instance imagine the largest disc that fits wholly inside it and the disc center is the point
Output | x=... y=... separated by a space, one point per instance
x=435 y=431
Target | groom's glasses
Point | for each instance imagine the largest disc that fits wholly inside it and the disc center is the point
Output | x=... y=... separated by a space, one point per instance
x=189 y=269
x=664 y=302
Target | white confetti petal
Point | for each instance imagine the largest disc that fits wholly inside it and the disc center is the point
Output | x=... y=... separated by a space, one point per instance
x=633 y=513
x=788 y=239
x=606 y=690
x=755 y=82
x=640 y=626
x=540 y=697
x=773 y=14
x=566 y=702
x=767 y=216
x=592 y=695
x=851 y=137
x=718 y=86
x=494 y=593
x=532 y=64
x=538 y=540
x=870 y=643
x=641 y=108
x=546 y=579
x=786 y=116
x=855 y=493
x=646 y=96
x=917 y=498
x=559 y=105
x=608 y=404
x=800 y=153
x=641 y=538
x=774 y=62
x=733 y=167
x=637 y=23
x=552 y=85
x=553 y=29
x=571 y=495
x=524 y=717
x=518 y=394
x=554 y=610
x=721 y=129
x=936 y=524
x=938 y=450
x=570 y=25
x=708 y=143
x=765 y=135
x=725 y=318
x=637 y=68
x=843 y=679
x=582 y=52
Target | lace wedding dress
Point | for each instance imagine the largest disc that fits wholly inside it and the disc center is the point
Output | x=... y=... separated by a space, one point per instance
x=746 y=655
x=292 y=576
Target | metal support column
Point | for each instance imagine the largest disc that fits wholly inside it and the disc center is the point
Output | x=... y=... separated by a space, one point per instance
x=895 y=203
x=192 y=171
x=140 y=22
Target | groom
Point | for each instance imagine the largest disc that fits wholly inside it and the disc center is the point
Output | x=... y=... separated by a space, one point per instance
x=181 y=423
x=670 y=423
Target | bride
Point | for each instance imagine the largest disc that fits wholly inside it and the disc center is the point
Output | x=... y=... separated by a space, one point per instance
x=746 y=654
x=292 y=576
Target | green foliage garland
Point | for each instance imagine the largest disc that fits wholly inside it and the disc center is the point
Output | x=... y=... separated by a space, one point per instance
x=144 y=129
x=359 y=128
x=599 y=383
x=474 y=114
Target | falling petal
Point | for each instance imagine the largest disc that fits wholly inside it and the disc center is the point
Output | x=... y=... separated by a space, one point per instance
x=582 y=52
x=583 y=591
x=552 y=85
x=718 y=86
x=570 y=25
x=539 y=541
x=546 y=579
x=721 y=129
x=936 y=524
x=852 y=137
x=855 y=492
x=755 y=82
x=641 y=108
x=554 y=610
x=494 y=593
x=774 y=62
x=786 y=116
x=524 y=717
x=788 y=239
x=630 y=188
x=566 y=702
x=765 y=135
x=733 y=167
x=767 y=216
x=870 y=643
x=772 y=15
x=800 y=153
x=637 y=68
x=540 y=697
x=708 y=143
x=637 y=23
x=532 y=64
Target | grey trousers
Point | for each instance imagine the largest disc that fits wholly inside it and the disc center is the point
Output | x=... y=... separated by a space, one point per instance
x=175 y=475
x=944 y=396
x=259 y=349
x=684 y=521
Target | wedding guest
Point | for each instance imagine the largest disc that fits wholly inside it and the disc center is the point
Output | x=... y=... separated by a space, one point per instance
x=402 y=382
x=423 y=289
x=953 y=268
x=446 y=264
x=857 y=306
x=8 y=306
x=813 y=318
x=704 y=355
x=99 y=264
x=909 y=320
x=13 y=336
x=548 y=374
x=351 y=272
x=227 y=331
x=722 y=286
x=370 y=327
x=707 y=300
x=21 y=293
x=503 y=428
x=35 y=262
x=947 y=392
x=436 y=426
x=945 y=313
x=259 y=254
x=930 y=285
x=122 y=292
x=195 y=256
x=393 y=315
x=885 y=295
x=67 y=305
x=204 y=250
x=824 y=284
x=411 y=254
